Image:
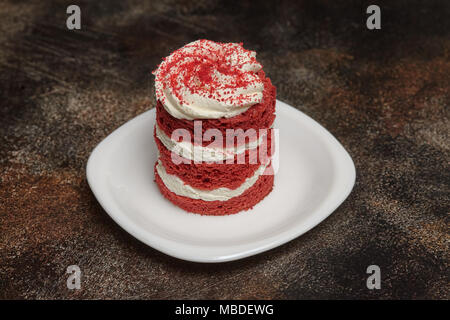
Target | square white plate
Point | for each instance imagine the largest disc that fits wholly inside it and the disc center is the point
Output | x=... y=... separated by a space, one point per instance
x=315 y=176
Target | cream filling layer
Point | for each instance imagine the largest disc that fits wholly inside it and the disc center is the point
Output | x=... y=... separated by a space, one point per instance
x=187 y=150
x=202 y=108
x=177 y=186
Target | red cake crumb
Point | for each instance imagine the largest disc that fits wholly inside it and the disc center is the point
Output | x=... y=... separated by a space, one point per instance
x=261 y=115
x=245 y=201
x=208 y=176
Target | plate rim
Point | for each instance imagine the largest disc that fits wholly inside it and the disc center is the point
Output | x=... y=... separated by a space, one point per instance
x=191 y=252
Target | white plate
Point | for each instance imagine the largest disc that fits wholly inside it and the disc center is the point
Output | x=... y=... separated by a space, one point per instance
x=315 y=176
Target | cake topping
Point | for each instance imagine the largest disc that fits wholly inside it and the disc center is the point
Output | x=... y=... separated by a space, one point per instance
x=209 y=80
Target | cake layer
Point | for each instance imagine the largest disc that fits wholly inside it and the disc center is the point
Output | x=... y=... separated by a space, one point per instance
x=207 y=176
x=259 y=116
x=189 y=151
x=176 y=185
x=258 y=191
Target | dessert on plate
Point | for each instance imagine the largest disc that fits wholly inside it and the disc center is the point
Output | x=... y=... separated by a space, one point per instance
x=214 y=114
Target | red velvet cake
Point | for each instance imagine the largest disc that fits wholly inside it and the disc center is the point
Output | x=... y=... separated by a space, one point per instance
x=214 y=112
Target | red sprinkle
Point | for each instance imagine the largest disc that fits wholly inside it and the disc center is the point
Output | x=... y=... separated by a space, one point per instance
x=196 y=71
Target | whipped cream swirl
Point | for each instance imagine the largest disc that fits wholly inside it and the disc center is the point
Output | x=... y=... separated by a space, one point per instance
x=209 y=80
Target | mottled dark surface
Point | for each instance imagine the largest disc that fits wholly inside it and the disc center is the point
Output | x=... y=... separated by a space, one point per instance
x=384 y=94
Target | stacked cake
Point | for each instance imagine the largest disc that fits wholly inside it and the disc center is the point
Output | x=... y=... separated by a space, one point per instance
x=214 y=113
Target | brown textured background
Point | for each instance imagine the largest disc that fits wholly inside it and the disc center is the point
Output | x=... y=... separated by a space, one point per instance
x=384 y=94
